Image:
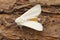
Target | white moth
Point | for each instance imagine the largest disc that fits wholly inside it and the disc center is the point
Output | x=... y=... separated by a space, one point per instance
x=29 y=18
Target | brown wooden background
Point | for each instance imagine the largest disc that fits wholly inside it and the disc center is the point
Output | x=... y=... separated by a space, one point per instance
x=50 y=18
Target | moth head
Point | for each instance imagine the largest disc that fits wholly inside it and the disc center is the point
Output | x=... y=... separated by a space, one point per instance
x=19 y=21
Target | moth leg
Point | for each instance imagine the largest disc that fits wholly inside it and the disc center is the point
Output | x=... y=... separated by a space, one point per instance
x=21 y=27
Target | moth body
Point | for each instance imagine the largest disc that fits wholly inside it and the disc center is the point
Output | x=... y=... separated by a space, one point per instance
x=30 y=18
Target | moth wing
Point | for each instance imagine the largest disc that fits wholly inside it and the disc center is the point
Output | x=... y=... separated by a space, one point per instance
x=32 y=13
x=34 y=25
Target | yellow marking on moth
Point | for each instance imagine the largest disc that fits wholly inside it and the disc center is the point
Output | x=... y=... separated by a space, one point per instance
x=34 y=19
